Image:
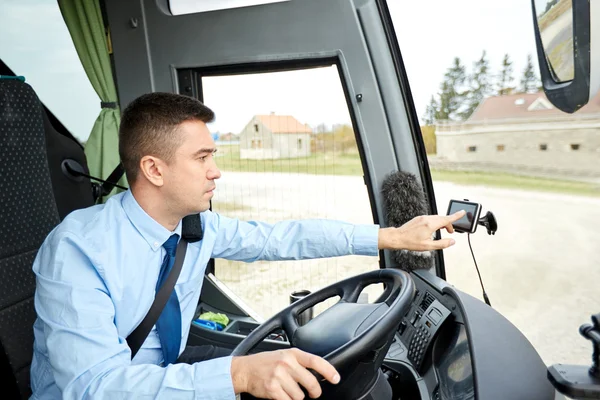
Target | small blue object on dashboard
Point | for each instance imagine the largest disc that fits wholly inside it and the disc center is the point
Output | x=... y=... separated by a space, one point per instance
x=208 y=324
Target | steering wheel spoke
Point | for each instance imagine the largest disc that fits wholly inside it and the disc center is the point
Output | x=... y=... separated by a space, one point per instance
x=290 y=326
x=348 y=351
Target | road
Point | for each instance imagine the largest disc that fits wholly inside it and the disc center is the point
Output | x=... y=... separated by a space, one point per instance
x=557 y=39
x=540 y=269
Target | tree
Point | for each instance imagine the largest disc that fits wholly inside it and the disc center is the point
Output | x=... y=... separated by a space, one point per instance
x=321 y=128
x=344 y=139
x=479 y=87
x=529 y=81
x=431 y=112
x=429 y=139
x=505 y=77
x=549 y=5
x=452 y=92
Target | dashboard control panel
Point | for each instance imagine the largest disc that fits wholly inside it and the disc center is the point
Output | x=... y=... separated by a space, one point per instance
x=419 y=328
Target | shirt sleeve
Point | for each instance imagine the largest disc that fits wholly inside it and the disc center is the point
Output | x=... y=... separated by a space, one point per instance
x=292 y=240
x=89 y=359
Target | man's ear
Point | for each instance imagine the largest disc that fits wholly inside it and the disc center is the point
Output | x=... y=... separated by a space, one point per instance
x=152 y=168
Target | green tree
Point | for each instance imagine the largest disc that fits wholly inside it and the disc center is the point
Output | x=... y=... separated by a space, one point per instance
x=505 y=78
x=529 y=81
x=452 y=92
x=431 y=112
x=479 y=86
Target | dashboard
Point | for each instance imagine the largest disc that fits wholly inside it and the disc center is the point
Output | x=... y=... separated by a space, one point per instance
x=431 y=348
x=448 y=345
x=453 y=346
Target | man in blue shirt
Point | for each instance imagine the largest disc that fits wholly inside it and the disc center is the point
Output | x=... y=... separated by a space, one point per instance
x=97 y=271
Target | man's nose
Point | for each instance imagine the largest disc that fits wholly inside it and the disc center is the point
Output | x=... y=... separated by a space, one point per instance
x=214 y=173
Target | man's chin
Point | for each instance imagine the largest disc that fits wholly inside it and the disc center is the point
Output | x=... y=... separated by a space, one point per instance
x=203 y=208
x=199 y=208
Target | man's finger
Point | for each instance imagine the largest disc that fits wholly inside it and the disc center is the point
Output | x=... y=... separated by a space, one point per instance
x=319 y=364
x=281 y=395
x=456 y=216
x=441 y=244
x=290 y=387
x=448 y=220
x=307 y=380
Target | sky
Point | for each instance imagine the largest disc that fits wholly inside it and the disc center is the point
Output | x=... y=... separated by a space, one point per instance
x=430 y=33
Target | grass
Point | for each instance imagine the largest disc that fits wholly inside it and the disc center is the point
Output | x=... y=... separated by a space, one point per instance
x=316 y=164
x=561 y=60
x=225 y=206
x=349 y=164
x=553 y=14
x=511 y=181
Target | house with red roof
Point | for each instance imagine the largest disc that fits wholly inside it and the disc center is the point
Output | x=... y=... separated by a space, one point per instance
x=525 y=129
x=275 y=136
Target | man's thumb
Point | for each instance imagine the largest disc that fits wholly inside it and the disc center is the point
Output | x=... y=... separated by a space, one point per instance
x=443 y=243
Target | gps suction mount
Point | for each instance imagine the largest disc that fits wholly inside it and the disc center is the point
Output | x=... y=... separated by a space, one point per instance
x=490 y=223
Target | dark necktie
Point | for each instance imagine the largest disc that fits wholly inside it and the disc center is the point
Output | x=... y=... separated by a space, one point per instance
x=168 y=325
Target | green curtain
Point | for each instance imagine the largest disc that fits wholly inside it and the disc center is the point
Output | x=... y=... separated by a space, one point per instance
x=84 y=21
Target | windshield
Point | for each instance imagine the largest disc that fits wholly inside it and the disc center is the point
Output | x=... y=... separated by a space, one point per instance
x=493 y=138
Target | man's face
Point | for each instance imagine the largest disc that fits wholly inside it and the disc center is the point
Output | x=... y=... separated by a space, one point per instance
x=191 y=174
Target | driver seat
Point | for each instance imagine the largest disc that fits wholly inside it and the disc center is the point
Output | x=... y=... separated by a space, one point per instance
x=28 y=212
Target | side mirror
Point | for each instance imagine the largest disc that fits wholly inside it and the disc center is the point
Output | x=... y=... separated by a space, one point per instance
x=569 y=63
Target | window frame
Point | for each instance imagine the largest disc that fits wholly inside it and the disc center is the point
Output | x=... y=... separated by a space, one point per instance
x=191 y=80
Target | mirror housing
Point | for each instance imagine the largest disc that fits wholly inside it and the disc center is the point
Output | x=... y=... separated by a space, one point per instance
x=570 y=96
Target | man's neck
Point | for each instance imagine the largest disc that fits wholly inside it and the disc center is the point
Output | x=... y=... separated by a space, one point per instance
x=155 y=206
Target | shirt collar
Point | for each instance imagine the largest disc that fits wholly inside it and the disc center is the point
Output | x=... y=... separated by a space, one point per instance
x=153 y=232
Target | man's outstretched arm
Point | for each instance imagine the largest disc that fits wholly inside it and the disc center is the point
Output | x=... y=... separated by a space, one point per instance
x=290 y=240
x=318 y=238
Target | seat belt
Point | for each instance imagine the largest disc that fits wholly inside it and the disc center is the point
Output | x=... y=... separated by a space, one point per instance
x=191 y=231
x=139 y=335
x=72 y=169
x=109 y=184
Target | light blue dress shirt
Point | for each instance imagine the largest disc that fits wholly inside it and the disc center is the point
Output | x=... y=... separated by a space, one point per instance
x=96 y=277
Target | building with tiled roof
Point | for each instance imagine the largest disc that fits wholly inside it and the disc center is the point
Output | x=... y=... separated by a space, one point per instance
x=525 y=129
x=275 y=136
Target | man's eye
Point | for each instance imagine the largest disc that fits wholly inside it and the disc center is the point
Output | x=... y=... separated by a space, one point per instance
x=203 y=158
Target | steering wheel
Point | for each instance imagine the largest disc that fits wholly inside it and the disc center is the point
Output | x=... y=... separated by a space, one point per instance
x=348 y=335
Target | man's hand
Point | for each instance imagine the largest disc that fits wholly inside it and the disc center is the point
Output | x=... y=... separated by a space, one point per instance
x=417 y=233
x=276 y=374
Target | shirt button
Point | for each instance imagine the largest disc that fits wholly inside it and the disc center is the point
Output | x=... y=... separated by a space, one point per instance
x=155 y=244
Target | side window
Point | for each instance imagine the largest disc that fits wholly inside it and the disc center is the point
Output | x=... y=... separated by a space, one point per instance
x=35 y=43
x=292 y=155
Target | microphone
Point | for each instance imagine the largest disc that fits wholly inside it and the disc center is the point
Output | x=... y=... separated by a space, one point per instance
x=404 y=199
x=191 y=228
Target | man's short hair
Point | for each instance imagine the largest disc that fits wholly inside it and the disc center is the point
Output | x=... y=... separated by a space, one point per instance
x=149 y=127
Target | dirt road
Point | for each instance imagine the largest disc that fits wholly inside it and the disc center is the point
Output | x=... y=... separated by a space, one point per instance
x=540 y=269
